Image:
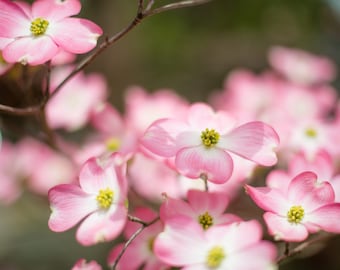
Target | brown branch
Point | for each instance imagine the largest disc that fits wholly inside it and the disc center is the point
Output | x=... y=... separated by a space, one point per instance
x=140 y=15
x=298 y=249
x=129 y=241
x=178 y=5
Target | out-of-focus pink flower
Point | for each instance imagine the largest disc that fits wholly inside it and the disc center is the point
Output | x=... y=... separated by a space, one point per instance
x=63 y=58
x=100 y=198
x=307 y=206
x=143 y=108
x=184 y=243
x=301 y=67
x=81 y=264
x=114 y=133
x=206 y=208
x=54 y=168
x=321 y=164
x=11 y=175
x=200 y=145
x=71 y=108
x=140 y=251
x=35 y=34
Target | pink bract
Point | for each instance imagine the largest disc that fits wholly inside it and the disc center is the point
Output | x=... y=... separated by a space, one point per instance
x=99 y=199
x=81 y=264
x=232 y=246
x=307 y=206
x=200 y=145
x=35 y=34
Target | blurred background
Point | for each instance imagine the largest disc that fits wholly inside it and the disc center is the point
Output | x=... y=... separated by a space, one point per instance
x=191 y=51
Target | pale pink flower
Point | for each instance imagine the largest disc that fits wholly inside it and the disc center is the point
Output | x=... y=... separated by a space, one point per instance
x=71 y=108
x=307 y=206
x=11 y=174
x=236 y=246
x=300 y=66
x=322 y=165
x=81 y=264
x=113 y=130
x=143 y=108
x=140 y=251
x=200 y=145
x=205 y=208
x=100 y=198
x=32 y=152
x=34 y=34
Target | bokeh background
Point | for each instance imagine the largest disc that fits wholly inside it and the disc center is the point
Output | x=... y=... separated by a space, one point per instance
x=191 y=51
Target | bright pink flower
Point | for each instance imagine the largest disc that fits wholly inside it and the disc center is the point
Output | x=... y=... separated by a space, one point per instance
x=306 y=207
x=236 y=246
x=205 y=208
x=71 y=108
x=200 y=145
x=81 y=264
x=35 y=34
x=100 y=197
x=300 y=66
x=140 y=251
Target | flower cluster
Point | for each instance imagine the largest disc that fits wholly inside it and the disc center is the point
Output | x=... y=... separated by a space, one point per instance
x=189 y=161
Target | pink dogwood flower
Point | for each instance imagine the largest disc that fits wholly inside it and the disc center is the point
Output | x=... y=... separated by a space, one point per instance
x=200 y=145
x=238 y=246
x=100 y=198
x=307 y=206
x=205 y=208
x=34 y=34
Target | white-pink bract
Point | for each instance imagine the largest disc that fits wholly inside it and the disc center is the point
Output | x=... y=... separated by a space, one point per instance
x=236 y=246
x=34 y=34
x=200 y=145
x=307 y=206
x=100 y=198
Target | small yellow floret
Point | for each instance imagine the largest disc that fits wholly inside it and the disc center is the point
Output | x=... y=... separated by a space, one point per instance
x=209 y=137
x=295 y=214
x=105 y=198
x=215 y=257
x=39 y=26
x=206 y=220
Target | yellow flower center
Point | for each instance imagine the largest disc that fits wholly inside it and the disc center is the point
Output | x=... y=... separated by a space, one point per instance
x=205 y=220
x=209 y=137
x=39 y=26
x=295 y=214
x=311 y=133
x=112 y=144
x=105 y=198
x=215 y=257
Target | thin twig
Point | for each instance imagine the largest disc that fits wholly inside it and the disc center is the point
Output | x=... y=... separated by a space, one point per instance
x=141 y=14
x=298 y=249
x=129 y=241
x=182 y=4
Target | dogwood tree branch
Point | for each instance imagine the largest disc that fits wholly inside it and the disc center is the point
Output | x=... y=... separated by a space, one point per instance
x=298 y=249
x=141 y=14
x=135 y=234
